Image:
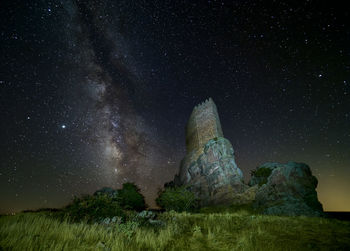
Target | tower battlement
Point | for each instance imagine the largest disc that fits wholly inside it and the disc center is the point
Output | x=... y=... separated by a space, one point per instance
x=203 y=125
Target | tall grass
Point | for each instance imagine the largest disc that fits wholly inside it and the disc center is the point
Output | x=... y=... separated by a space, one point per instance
x=183 y=231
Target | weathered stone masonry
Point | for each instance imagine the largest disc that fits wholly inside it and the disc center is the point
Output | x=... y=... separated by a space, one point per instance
x=203 y=125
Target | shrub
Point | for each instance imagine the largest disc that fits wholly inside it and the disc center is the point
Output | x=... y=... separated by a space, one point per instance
x=261 y=174
x=93 y=208
x=128 y=228
x=129 y=197
x=110 y=192
x=106 y=203
x=178 y=199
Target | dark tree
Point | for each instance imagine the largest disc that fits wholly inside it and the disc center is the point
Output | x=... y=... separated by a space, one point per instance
x=129 y=197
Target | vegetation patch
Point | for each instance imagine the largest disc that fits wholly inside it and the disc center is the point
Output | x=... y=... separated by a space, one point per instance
x=261 y=174
x=246 y=208
x=105 y=204
x=178 y=199
x=183 y=231
x=130 y=197
x=93 y=208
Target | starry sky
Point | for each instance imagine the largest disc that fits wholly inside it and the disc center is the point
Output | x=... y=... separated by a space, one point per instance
x=96 y=93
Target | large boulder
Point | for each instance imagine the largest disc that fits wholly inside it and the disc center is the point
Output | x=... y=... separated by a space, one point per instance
x=286 y=189
x=213 y=176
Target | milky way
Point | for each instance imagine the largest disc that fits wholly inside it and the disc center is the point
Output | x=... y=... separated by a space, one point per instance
x=125 y=147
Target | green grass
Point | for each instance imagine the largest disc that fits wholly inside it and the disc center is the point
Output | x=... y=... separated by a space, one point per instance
x=184 y=231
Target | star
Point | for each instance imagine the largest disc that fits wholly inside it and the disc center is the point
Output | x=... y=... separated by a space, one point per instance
x=127 y=102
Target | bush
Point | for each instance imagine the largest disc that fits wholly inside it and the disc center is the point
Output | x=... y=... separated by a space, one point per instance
x=93 y=208
x=261 y=174
x=129 y=197
x=128 y=228
x=178 y=199
x=110 y=192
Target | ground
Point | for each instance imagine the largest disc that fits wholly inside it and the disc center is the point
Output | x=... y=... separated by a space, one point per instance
x=209 y=230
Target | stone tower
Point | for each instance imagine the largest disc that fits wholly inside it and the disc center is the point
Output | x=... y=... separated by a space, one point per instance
x=203 y=125
x=209 y=169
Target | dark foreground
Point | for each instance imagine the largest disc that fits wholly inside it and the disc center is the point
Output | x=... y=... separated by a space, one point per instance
x=339 y=215
x=181 y=231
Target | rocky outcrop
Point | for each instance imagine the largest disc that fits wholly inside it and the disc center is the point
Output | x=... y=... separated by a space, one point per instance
x=213 y=176
x=286 y=189
x=209 y=170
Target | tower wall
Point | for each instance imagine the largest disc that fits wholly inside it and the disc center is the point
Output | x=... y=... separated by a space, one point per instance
x=203 y=125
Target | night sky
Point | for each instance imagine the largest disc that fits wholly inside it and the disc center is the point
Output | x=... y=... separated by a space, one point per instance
x=97 y=93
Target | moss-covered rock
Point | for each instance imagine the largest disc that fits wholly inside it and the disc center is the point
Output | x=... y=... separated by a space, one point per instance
x=286 y=189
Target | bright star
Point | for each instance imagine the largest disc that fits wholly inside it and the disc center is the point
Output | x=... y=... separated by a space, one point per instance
x=63 y=126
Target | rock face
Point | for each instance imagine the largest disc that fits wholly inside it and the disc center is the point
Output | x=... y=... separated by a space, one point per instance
x=286 y=189
x=214 y=177
x=209 y=168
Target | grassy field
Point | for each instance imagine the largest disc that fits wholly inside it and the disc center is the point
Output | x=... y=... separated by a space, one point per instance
x=183 y=231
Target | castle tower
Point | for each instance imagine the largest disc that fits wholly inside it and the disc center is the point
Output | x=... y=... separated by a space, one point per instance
x=203 y=125
x=209 y=169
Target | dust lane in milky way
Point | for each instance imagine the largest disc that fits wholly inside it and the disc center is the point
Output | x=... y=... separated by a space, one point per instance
x=129 y=150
